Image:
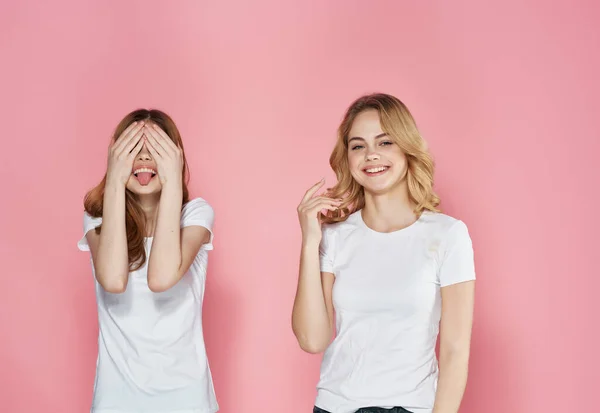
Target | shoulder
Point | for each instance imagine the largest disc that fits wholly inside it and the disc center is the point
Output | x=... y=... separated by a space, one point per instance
x=335 y=235
x=197 y=203
x=442 y=223
x=197 y=211
x=447 y=229
x=90 y=222
x=348 y=225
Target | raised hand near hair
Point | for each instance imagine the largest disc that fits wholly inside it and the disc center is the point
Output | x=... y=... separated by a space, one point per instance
x=308 y=213
x=122 y=152
x=168 y=156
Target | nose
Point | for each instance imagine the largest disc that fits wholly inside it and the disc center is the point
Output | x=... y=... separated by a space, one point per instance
x=144 y=154
x=371 y=155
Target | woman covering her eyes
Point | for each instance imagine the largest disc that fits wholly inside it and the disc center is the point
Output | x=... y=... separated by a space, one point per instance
x=149 y=247
x=385 y=270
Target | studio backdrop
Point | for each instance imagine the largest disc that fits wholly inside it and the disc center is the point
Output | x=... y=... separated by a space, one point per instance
x=505 y=93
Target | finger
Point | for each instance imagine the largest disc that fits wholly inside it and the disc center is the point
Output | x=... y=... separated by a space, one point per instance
x=313 y=190
x=125 y=138
x=165 y=136
x=128 y=132
x=330 y=208
x=153 y=137
x=152 y=149
x=169 y=148
x=133 y=142
x=321 y=206
x=308 y=205
x=316 y=206
x=137 y=148
x=313 y=201
x=129 y=128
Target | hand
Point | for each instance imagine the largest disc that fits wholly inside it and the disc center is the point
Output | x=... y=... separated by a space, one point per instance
x=168 y=156
x=122 y=152
x=309 y=210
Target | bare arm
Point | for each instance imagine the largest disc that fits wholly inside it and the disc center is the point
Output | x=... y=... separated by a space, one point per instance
x=109 y=249
x=312 y=315
x=173 y=248
x=455 y=339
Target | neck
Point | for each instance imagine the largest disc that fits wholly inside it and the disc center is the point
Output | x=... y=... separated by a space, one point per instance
x=389 y=211
x=149 y=205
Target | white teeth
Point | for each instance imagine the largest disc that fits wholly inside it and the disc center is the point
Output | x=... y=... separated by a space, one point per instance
x=374 y=170
x=137 y=171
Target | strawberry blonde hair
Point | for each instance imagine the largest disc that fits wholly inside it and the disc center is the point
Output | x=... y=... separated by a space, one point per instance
x=135 y=220
x=398 y=123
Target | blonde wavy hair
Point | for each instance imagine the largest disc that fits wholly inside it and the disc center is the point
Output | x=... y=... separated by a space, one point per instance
x=398 y=123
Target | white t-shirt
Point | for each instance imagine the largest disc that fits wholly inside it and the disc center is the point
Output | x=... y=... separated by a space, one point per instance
x=151 y=354
x=387 y=304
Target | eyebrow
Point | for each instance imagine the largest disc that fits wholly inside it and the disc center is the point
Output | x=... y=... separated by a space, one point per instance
x=358 y=138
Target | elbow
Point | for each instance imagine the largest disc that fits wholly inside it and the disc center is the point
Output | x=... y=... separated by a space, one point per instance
x=112 y=280
x=157 y=285
x=162 y=279
x=311 y=340
x=115 y=286
x=311 y=345
x=312 y=348
x=455 y=353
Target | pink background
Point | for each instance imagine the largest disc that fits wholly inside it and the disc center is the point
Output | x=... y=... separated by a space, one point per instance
x=506 y=94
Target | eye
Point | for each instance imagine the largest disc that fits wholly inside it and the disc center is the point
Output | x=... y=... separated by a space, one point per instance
x=355 y=147
x=387 y=143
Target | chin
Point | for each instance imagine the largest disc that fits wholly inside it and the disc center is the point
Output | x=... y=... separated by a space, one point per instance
x=142 y=190
x=381 y=188
x=377 y=190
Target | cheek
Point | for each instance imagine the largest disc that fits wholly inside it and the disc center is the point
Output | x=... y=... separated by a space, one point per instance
x=398 y=157
x=354 y=165
x=353 y=161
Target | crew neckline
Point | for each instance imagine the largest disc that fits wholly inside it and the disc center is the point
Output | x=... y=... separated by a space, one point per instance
x=408 y=229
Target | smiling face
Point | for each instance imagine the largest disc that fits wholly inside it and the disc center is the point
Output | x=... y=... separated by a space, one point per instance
x=379 y=151
x=375 y=160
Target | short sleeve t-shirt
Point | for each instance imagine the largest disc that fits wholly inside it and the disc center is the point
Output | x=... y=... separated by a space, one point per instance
x=151 y=354
x=387 y=304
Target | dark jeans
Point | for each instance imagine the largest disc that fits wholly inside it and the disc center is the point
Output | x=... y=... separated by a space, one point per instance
x=369 y=410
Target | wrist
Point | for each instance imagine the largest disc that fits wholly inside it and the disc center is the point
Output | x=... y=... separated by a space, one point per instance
x=114 y=184
x=310 y=243
x=172 y=182
x=171 y=189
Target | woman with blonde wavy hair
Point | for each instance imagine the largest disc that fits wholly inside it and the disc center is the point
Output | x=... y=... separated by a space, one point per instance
x=149 y=248
x=386 y=271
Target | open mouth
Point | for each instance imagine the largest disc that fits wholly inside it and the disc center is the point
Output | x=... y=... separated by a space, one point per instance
x=144 y=175
x=376 y=170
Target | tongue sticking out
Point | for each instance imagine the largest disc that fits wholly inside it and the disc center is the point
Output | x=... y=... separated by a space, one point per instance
x=144 y=178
